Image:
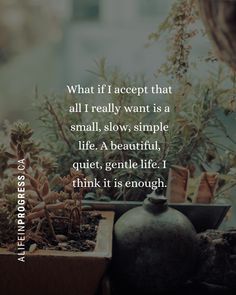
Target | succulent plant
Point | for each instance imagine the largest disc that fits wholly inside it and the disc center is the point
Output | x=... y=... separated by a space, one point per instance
x=51 y=201
x=20 y=131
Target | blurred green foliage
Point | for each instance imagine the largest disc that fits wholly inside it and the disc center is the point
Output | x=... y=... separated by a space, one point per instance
x=198 y=136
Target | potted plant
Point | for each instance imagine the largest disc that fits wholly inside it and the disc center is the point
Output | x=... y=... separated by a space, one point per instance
x=66 y=249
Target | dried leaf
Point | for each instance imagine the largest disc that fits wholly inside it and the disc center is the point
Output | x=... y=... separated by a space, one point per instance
x=45 y=189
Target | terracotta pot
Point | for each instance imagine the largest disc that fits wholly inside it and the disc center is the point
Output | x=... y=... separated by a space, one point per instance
x=58 y=272
x=219 y=18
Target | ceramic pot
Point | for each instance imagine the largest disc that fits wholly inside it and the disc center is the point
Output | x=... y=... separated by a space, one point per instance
x=155 y=247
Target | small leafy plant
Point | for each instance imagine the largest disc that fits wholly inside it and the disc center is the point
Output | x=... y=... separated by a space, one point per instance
x=54 y=216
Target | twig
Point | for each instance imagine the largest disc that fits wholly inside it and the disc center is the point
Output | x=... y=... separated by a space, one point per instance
x=165 y=148
x=50 y=224
x=39 y=225
x=59 y=124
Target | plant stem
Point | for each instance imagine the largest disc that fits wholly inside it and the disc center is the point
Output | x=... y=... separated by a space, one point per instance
x=59 y=124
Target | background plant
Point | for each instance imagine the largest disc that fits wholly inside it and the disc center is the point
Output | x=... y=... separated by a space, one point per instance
x=201 y=106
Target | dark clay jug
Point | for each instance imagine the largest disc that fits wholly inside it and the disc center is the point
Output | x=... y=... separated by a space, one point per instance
x=155 y=247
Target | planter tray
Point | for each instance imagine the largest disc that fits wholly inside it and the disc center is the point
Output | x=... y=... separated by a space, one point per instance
x=202 y=216
x=58 y=272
